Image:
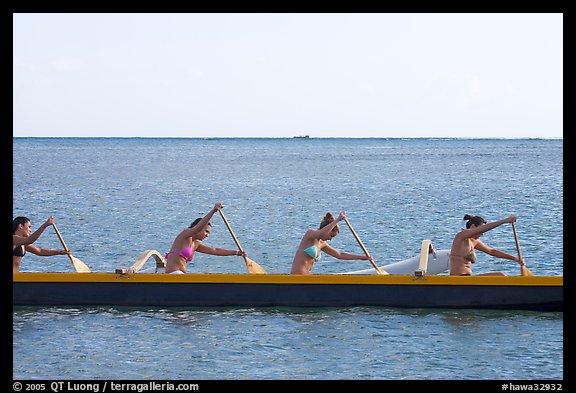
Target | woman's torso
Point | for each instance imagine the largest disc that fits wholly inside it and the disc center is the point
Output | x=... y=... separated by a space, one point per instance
x=181 y=253
x=462 y=256
x=18 y=253
x=309 y=251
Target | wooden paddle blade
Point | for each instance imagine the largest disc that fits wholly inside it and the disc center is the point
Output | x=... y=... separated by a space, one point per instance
x=524 y=271
x=381 y=271
x=79 y=266
x=253 y=267
x=378 y=269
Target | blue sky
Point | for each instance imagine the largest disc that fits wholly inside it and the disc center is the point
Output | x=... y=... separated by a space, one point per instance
x=280 y=75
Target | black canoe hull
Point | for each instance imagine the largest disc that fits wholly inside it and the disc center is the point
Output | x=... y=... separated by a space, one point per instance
x=406 y=292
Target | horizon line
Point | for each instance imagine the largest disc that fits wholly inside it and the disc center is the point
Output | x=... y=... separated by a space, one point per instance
x=291 y=137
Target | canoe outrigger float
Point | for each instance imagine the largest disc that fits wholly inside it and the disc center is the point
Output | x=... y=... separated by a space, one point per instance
x=416 y=289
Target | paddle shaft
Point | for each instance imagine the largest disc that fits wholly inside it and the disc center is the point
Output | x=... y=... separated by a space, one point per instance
x=63 y=244
x=524 y=271
x=231 y=232
x=516 y=239
x=252 y=266
x=362 y=245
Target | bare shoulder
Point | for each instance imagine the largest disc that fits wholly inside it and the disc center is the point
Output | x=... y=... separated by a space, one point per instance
x=462 y=235
x=186 y=233
x=310 y=233
x=19 y=240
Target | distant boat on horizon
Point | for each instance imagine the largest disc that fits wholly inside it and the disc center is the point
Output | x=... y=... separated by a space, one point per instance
x=301 y=136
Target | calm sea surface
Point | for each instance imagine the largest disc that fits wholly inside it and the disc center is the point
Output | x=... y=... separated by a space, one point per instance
x=115 y=198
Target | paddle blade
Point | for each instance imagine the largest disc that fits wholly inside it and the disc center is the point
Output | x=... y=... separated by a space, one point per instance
x=381 y=271
x=79 y=266
x=378 y=269
x=253 y=267
x=525 y=272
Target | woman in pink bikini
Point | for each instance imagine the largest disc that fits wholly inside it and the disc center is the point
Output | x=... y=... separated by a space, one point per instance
x=466 y=242
x=188 y=241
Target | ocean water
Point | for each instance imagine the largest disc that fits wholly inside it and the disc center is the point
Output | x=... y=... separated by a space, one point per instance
x=113 y=198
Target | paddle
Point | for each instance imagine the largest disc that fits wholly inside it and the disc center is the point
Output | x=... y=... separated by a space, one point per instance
x=378 y=270
x=252 y=266
x=523 y=269
x=79 y=266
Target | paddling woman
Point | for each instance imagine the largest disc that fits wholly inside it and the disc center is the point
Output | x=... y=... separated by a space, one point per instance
x=315 y=241
x=466 y=242
x=22 y=239
x=188 y=242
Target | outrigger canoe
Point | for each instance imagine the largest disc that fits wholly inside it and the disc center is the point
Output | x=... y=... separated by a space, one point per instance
x=542 y=293
x=416 y=286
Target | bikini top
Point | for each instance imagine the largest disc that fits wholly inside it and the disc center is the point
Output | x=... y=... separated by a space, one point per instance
x=471 y=256
x=314 y=252
x=186 y=253
x=19 y=251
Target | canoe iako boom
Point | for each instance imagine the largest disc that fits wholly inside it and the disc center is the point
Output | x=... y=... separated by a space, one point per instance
x=544 y=293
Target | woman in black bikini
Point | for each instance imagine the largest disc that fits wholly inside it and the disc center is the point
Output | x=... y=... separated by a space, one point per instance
x=466 y=242
x=23 y=238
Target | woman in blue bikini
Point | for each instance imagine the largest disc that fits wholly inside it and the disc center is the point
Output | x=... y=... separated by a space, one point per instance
x=315 y=241
x=466 y=242
x=188 y=241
